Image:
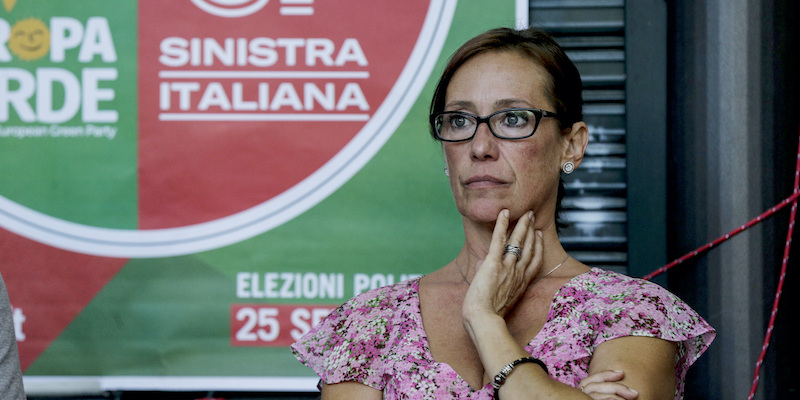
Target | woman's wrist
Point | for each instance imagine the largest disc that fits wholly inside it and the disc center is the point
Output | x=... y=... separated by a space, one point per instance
x=479 y=316
x=490 y=335
x=501 y=376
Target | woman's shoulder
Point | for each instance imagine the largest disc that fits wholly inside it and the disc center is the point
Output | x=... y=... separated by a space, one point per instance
x=600 y=305
x=614 y=305
x=355 y=341
x=385 y=299
x=605 y=285
x=370 y=314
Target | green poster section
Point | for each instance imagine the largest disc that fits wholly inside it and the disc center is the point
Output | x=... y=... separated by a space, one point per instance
x=77 y=171
x=172 y=316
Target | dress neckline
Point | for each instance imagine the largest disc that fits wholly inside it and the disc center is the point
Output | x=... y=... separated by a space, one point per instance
x=417 y=315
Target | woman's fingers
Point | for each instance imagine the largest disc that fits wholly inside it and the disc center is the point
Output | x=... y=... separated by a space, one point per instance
x=499 y=236
x=534 y=263
x=602 y=376
x=605 y=385
x=503 y=276
x=515 y=245
x=528 y=240
x=602 y=396
x=523 y=236
x=613 y=390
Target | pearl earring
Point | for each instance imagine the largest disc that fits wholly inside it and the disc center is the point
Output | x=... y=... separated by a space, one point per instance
x=568 y=167
x=446 y=172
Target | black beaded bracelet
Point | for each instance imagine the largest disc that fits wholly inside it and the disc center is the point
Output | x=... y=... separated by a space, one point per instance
x=501 y=376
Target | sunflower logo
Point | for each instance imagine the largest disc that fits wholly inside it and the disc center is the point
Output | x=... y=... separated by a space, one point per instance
x=30 y=39
x=9 y=4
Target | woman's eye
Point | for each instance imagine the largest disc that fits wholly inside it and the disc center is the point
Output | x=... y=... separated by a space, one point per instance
x=459 y=121
x=515 y=119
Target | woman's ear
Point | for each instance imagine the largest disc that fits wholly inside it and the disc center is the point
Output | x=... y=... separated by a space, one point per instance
x=575 y=141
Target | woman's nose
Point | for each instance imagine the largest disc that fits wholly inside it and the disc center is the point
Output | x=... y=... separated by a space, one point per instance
x=484 y=143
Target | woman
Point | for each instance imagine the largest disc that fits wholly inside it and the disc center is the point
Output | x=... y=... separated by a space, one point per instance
x=512 y=316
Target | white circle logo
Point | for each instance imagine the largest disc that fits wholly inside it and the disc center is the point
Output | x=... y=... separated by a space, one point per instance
x=230 y=8
x=370 y=130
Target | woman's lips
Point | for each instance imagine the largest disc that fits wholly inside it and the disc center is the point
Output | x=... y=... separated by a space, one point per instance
x=480 y=181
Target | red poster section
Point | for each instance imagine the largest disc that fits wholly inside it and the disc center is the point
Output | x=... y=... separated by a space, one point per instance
x=48 y=288
x=238 y=106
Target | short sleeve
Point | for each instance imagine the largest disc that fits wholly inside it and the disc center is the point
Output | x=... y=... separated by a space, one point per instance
x=355 y=341
x=601 y=305
x=634 y=307
x=640 y=308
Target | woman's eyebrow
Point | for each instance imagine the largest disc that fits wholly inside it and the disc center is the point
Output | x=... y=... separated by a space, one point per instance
x=461 y=104
x=468 y=105
x=510 y=102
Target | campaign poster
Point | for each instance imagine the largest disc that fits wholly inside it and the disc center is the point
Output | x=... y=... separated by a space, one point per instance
x=188 y=186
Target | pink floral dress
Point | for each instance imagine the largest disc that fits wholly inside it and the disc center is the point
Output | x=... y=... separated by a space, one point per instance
x=377 y=338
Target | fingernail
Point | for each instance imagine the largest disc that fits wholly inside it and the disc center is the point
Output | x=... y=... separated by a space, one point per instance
x=530 y=215
x=539 y=233
x=634 y=391
x=505 y=213
x=617 y=371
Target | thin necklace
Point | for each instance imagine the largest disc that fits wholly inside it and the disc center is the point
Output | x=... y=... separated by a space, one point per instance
x=545 y=275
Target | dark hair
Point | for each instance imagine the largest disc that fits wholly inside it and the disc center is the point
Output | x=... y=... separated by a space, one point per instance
x=564 y=87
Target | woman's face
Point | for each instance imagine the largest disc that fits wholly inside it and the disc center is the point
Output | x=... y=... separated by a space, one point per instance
x=488 y=174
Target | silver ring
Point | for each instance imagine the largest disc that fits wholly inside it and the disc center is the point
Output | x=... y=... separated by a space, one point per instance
x=512 y=249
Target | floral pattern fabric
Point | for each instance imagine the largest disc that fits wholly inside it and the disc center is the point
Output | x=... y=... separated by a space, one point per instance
x=377 y=338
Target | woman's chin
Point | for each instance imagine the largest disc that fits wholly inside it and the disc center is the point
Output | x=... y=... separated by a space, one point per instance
x=487 y=214
x=484 y=215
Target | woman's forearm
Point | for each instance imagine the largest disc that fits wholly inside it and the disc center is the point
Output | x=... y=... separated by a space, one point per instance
x=497 y=348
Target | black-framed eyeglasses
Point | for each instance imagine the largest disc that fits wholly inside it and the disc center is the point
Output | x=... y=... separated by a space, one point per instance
x=511 y=123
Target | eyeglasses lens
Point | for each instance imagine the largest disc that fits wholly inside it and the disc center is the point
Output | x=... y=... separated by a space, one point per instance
x=508 y=124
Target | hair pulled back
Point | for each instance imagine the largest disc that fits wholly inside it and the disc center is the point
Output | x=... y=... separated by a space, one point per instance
x=563 y=82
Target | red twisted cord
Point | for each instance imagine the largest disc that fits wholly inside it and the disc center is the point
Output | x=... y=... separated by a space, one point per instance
x=784 y=263
x=789 y=200
x=779 y=291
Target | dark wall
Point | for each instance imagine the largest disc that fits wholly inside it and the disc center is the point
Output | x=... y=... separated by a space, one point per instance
x=781 y=49
x=691 y=191
x=685 y=188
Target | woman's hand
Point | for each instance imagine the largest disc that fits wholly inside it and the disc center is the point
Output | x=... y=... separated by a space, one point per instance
x=605 y=385
x=501 y=279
